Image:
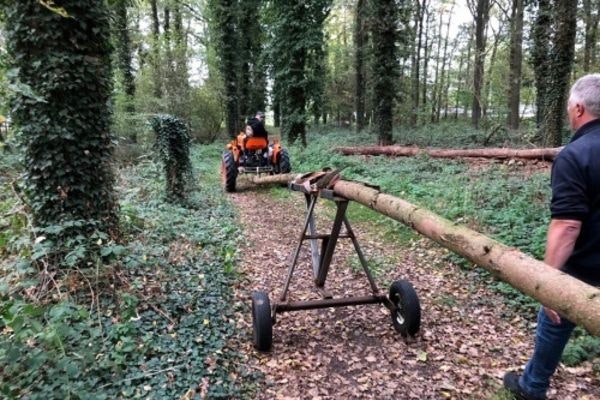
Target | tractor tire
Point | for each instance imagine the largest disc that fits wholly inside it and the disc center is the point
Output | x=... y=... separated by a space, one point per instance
x=228 y=172
x=262 y=324
x=407 y=316
x=284 y=165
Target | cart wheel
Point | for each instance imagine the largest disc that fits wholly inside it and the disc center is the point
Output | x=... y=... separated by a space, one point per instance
x=262 y=325
x=407 y=316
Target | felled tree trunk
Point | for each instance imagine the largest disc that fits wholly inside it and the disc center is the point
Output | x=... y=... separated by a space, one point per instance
x=572 y=298
x=547 y=154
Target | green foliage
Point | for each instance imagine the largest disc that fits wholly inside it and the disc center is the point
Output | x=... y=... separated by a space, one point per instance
x=154 y=324
x=173 y=147
x=64 y=122
x=582 y=347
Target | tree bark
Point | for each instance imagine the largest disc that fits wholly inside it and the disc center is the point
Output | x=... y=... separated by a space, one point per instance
x=421 y=6
x=124 y=53
x=540 y=32
x=499 y=153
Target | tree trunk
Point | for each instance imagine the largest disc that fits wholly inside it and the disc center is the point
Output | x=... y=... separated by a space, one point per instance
x=359 y=65
x=384 y=67
x=488 y=83
x=499 y=153
x=514 y=64
x=124 y=53
x=561 y=58
x=426 y=60
x=435 y=89
x=481 y=19
x=66 y=136
x=442 y=93
x=156 y=50
x=421 y=6
x=540 y=51
x=591 y=16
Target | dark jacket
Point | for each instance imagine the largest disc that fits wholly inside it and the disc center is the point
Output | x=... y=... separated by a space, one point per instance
x=258 y=127
x=576 y=196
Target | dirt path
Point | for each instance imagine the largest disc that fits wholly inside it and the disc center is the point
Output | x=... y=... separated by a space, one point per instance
x=468 y=337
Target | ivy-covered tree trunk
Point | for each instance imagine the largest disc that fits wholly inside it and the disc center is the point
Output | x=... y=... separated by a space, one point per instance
x=252 y=80
x=155 y=45
x=514 y=63
x=591 y=17
x=124 y=52
x=359 y=63
x=66 y=130
x=223 y=13
x=561 y=57
x=540 y=51
x=297 y=38
x=384 y=66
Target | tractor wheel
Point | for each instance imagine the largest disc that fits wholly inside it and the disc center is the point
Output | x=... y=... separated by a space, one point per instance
x=228 y=172
x=284 y=162
x=407 y=316
x=262 y=324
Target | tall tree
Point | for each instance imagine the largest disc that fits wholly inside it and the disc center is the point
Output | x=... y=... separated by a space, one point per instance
x=541 y=35
x=552 y=58
x=481 y=12
x=65 y=128
x=561 y=63
x=384 y=66
x=360 y=42
x=419 y=15
x=124 y=57
x=297 y=36
x=252 y=74
x=515 y=63
x=155 y=46
x=591 y=17
x=224 y=20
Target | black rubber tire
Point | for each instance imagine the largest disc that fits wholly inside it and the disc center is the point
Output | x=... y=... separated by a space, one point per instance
x=262 y=324
x=407 y=316
x=284 y=165
x=228 y=172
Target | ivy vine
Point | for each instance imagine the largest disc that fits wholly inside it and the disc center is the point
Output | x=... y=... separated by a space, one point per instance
x=173 y=147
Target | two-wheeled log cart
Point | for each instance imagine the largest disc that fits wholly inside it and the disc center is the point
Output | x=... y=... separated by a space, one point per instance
x=402 y=300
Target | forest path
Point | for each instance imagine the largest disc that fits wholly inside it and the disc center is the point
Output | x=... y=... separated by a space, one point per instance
x=468 y=336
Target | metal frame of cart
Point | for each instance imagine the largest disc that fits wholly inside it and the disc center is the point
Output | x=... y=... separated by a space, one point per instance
x=402 y=300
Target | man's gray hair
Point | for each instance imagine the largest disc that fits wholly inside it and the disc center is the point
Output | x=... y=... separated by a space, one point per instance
x=587 y=91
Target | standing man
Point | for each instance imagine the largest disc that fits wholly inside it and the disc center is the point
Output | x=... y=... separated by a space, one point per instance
x=573 y=241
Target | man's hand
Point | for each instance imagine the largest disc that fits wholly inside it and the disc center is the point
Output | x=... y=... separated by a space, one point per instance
x=553 y=315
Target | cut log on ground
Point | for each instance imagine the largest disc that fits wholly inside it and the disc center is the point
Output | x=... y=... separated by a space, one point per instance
x=571 y=297
x=282 y=179
x=547 y=154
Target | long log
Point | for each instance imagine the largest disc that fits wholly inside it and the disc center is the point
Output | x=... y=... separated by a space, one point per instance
x=547 y=154
x=571 y=297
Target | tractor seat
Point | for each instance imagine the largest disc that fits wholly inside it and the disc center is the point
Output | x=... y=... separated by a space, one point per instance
x=256 y=143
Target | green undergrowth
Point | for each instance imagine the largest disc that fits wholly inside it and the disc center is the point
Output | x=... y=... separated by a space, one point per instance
x=153 y=318
x=499 y=200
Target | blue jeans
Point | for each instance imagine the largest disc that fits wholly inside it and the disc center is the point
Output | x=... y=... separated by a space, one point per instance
x=550 y=341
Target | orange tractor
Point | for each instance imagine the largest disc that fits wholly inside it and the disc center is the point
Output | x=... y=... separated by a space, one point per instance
x=252 y=155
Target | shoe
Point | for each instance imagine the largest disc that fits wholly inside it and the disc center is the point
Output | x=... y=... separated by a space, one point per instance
x=511 y=383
